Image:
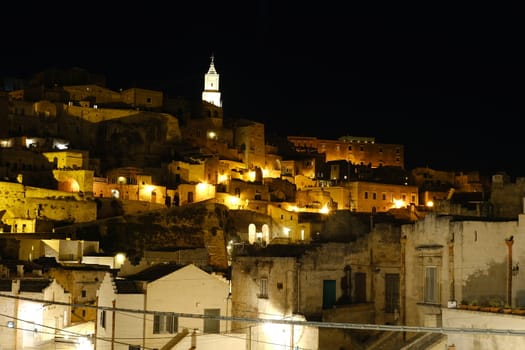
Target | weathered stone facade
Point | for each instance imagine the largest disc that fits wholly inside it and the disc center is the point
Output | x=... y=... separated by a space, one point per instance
x=82 y=281
x=29 y=204
x=506 y=197
x=356 y=150
x=312 y=280
x=460 y=260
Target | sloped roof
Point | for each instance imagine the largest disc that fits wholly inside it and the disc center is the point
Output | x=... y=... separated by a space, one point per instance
x=155 y=272
x=467 y=197
x=84 y=267
x=34 y=285
x=12 y=265
x=126 y=286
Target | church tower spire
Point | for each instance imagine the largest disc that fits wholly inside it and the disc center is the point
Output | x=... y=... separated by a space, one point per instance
x=211 y=91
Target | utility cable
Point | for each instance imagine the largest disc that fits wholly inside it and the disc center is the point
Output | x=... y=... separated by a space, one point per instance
x=359 y=326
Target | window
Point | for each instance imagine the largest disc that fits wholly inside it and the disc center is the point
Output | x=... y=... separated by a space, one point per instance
x=391 y=292
x=374 y=195
x=360 y=287
x=431 y=287
x=366 y=195
x=263 y=288
x=383 y=196
x=84 y=293
x=329 y=293
x=103 y=319
x=165 y=324
x=134 y=347
x=212 y=322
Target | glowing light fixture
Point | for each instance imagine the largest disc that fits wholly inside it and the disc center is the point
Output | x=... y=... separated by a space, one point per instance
x=120 y=258
x=399 y=203
x=222 y=178
x=234 y=200
x=324 y=209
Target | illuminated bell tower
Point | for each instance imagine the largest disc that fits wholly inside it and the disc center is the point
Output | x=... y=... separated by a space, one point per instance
x=211 y=91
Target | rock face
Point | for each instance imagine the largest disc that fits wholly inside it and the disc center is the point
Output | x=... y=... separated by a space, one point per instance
x=199 y=225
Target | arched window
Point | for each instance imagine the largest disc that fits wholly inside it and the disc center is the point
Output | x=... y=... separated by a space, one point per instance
x=251 y=233
x=265 y=233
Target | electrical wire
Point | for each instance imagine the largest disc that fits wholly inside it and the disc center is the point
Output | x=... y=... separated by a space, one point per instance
x=56 y=330
x=359 y=326
x=120 y=340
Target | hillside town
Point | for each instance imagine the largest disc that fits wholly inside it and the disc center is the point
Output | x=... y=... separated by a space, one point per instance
x=134 y=220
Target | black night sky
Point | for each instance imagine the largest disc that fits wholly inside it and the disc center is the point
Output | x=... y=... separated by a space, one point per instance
x=445 y=82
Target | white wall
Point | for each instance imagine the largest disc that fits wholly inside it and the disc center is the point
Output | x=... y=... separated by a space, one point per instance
x=188 y=290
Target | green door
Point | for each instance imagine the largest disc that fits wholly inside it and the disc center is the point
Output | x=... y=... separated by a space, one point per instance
x=328 y=294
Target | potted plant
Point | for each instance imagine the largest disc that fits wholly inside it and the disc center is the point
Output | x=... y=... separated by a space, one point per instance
x=496 y=305
x=463 y=305
x=474 y=305
x=519 y=311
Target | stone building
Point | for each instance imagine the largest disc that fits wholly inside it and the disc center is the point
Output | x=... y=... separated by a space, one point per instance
x=360 y=196
x=92 y=93
x=336 y=281
x=83 y=282
x=449 y=261
x=157 y=299
x=4 y=108
x=26 y=317
x=372 y=197
x=129 y=183
x=357 y=150
x=28 y=209
x=72 y=170
x=507 y=197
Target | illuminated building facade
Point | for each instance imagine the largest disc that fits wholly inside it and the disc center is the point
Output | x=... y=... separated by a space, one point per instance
x=357 y=150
